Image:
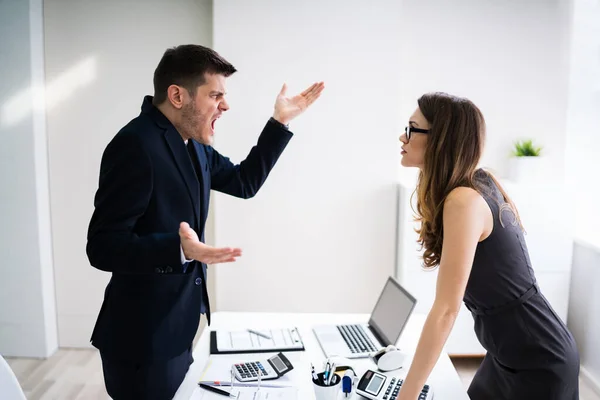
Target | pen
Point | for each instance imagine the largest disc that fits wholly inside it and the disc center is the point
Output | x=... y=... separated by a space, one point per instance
x=314 y=374
x=258 y=380
x=242 y=384
x=259 y=333
x=331 y=374
x=215 y=390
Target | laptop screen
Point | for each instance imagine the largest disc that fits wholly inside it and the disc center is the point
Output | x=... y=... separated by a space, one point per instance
x=391 y=312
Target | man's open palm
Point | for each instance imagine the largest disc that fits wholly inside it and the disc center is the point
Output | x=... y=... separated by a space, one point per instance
x=288 y=108
x=194 y=249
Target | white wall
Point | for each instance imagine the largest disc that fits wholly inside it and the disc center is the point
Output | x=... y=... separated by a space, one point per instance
x=509 y=57
x=324 y=223
x=583 y=168
x=583 y=129
x=100 y=65
x=320 y=234
x=27 y=308
x=584 y=309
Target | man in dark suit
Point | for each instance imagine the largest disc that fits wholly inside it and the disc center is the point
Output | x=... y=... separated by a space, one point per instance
x=150 y=210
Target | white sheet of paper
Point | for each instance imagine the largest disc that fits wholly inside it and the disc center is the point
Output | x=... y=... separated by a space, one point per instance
x=249 y=393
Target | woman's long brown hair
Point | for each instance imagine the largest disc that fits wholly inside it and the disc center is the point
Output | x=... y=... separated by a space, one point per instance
x=454 y=147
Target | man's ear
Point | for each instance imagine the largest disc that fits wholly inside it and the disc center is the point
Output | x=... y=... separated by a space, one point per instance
x=175 y=95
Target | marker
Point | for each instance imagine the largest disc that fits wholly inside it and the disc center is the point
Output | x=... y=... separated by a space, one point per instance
x=215 y=390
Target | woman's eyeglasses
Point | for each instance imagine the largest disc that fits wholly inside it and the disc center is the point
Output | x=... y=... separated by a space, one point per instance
x=409 y=130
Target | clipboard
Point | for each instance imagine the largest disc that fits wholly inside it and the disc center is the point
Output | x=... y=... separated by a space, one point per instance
x=243 y=342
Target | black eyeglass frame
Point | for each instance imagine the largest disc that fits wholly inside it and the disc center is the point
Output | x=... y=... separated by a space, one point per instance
x=409 y=130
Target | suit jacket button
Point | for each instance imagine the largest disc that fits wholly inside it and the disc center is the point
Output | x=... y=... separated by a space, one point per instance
x=158 y=270
x=169 y=269
x=198 y=281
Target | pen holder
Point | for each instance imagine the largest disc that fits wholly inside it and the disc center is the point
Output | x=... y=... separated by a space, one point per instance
x=327 y=392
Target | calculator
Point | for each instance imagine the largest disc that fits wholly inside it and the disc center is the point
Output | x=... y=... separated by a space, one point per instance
x=271 y=368
x=376 y=386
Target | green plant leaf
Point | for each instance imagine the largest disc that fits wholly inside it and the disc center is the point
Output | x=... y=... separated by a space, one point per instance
x=526 y=148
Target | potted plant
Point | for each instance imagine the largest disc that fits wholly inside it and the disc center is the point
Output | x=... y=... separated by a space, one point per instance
x=525 y=163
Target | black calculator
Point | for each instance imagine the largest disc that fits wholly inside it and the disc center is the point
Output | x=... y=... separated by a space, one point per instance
x=271 y=368
x=376 y=386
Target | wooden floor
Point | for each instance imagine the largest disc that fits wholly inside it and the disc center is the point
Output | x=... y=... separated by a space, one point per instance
x=74 y=374
x=466 y=368
x=69 y=374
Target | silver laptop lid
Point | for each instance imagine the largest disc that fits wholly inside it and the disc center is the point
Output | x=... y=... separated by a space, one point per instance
x=391 y=312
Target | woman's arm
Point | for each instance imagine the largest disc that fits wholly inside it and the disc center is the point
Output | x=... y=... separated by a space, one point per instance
x=464 y=224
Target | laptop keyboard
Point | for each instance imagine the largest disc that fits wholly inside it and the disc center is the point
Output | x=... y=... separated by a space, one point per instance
x=356 y=339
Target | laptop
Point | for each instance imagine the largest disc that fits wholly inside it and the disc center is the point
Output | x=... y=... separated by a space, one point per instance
x=387 y=321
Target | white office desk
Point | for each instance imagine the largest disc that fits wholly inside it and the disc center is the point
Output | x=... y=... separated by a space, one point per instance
x=444 y=379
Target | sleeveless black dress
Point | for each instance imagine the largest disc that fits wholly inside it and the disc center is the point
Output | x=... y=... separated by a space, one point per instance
x=530 y=352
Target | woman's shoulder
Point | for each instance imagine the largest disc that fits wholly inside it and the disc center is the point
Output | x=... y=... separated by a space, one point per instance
x=465 y=201
x=463 y=196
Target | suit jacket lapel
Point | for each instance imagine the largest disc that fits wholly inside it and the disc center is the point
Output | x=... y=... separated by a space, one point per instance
x=184 y=164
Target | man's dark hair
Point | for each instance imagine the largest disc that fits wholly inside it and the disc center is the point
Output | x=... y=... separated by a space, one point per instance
x=185 y=66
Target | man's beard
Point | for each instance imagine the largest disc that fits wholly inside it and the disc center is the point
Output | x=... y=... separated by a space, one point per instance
x=190 y=124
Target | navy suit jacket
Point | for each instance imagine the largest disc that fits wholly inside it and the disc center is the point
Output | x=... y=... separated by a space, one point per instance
x=147 y=186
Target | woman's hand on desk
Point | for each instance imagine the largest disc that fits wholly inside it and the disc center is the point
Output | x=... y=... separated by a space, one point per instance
x=194 y=249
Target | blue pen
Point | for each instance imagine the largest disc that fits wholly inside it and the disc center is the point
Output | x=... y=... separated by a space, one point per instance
x=331 y=373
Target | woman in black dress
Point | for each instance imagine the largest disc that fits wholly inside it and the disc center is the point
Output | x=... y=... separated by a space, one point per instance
x=472 y=231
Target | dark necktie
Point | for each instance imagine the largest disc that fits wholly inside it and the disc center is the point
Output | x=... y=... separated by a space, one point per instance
x=194 y=158
x=196 y=163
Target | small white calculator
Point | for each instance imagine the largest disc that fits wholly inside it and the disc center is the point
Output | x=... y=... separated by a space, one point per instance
x=376 y=386
x=272 y=368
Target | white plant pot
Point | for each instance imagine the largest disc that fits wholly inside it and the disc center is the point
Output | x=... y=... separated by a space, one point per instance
x=527 y=169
